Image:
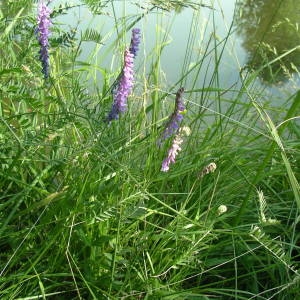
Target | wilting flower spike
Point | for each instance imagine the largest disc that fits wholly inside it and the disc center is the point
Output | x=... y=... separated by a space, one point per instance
x=123 y=88
x=135 y=41
x=44 y=24
x=175 y=148
x=175 y=119
x=172 y=153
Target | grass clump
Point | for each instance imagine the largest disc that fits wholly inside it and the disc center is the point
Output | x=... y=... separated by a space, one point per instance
x=87 y=213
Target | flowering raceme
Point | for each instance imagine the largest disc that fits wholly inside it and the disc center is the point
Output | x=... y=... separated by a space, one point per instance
x=175 y=119
x=172 y=153
x=124 y=87
x=43 y=32
x=175 y=148
x=135 y=41
x=124 y=84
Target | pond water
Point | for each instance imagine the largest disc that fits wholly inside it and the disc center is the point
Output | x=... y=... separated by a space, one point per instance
x=246 y=35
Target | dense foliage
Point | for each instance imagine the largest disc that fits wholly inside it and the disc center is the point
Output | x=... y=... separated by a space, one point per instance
x=87 y=213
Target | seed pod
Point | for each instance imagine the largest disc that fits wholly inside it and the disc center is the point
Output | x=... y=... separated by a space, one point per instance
x=210 y=168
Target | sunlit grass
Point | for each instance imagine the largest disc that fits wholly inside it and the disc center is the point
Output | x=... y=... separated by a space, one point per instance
x=86 y=212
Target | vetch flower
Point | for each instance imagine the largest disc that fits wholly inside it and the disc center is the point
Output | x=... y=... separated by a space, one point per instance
x=175 y=119
x=124 y=83
x=135 y=41
x=175 y=148
x=172 y=153
x=43 y=32
x=123 y=89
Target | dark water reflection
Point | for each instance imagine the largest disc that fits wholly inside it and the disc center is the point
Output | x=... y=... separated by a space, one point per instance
x=270 y=28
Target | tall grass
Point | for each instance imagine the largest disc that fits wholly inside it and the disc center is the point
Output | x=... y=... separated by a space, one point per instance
x=86 y=212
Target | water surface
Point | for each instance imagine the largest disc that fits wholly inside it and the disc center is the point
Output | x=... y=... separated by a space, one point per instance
x=230 y=40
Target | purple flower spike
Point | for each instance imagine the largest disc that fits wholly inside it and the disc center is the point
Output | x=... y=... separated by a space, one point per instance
x=135 y=41
x=123 y=89
x=44 y=24
x=175 y=119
